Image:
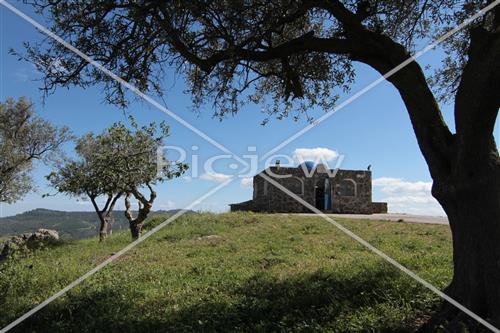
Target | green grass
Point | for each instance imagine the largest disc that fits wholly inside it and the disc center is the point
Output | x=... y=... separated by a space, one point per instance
x=266 y=273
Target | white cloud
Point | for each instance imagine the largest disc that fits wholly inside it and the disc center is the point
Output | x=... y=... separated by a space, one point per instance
x=318 y=154
x=247 y=182
x=414 y=199
x=187 y=178
x=408 y=197
x=396 y=185
x=215 y=177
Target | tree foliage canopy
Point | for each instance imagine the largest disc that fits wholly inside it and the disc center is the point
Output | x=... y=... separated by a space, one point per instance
x=286 y=55
x=24 y=138
x=116 y=161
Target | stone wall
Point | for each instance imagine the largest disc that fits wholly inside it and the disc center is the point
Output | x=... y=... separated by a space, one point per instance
x=360 y=202
x=379 y=207
x=242 y=206
x=28 y=241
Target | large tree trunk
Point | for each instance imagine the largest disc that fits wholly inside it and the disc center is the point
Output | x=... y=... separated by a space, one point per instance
x=470 y=193
x=470 y=196
x=464 y=166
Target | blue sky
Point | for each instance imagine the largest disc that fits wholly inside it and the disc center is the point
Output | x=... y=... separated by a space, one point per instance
x=375 y=129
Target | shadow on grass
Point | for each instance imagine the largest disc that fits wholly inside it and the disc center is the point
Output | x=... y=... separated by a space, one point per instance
x=317 y=302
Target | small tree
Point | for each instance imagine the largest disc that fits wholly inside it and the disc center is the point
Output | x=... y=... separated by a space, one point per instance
x=89 y=176
x=24 y=138
x=118 y=162
x=135 y=157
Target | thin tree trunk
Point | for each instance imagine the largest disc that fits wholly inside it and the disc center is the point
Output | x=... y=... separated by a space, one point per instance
x=104 y=227
x=105 y=215
x=136 y=228
x=136 y=223
x=145 y=206
x=108 y=218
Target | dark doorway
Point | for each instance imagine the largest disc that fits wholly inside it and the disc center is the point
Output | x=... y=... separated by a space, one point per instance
x=319 y=194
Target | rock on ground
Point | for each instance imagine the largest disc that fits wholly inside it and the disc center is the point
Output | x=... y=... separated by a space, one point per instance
x=28 y=241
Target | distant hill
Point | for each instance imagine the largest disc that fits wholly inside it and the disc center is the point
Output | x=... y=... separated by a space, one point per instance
x=70 y=225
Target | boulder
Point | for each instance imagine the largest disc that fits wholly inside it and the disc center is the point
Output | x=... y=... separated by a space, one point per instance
x=28 y=241
x=46 y=236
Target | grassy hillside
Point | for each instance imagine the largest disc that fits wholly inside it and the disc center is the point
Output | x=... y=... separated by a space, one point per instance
x=264 y=273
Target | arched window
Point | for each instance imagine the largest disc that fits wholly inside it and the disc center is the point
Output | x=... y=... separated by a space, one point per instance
x=260 y=188
x=295 y=185
x=347 y=188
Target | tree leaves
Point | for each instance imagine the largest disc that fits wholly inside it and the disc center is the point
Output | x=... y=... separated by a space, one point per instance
x=236 y=52
x=24 y=138
x=118 y=160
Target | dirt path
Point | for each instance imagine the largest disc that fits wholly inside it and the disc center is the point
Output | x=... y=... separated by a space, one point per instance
x=409 y=218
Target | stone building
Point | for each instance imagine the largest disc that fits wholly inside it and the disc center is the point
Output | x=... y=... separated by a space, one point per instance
x=333 y=191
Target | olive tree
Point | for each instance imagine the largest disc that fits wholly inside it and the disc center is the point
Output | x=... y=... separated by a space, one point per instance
x=89 y=177
x=24 y=139
x=136 y=159
x=117 y=163
x=293 y=55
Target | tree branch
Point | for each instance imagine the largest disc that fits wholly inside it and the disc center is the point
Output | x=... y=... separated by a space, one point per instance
x=108 y=201
x=152 y=195
x=113 y=202
x=128 y=208
x=434 y=138
x=478 y=96
x=384 y=54
x=96 y=207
